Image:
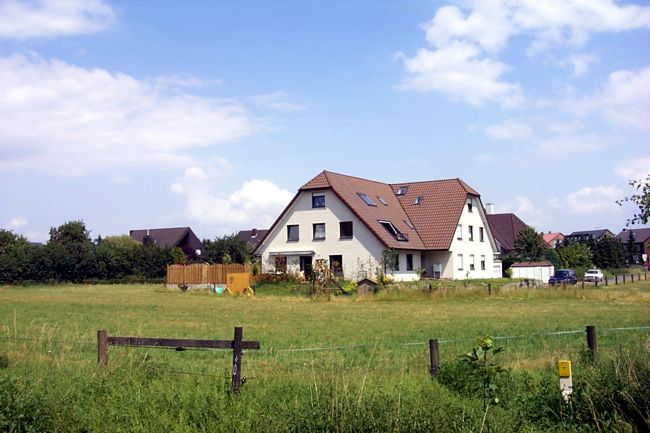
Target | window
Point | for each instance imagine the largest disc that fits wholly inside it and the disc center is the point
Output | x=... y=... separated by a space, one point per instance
x=437 y=270
x=409 y=224
x=409 y=262
x=281 y=264
x=345 y=229
x=459 y=232
x=460 y=262
x=390 y=228
x=418 y=199
x=480 y=234
x=367 y=200
x=402 y=190
x=469 y=205
x=293 y=233
x=471 y=233
x=471 y=262
x=482 y=262
x=336 y=265
x=319 y=231
x=318 y=200
x=382 y=200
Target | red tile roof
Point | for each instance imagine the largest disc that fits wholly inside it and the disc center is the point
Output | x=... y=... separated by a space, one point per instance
x=505 y=227
x=428 y=226
x=550 y=237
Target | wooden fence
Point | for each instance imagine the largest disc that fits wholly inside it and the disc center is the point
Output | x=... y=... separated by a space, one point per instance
x=202 y=273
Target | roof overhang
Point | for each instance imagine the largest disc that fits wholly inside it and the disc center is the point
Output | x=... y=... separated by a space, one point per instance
x=292 y=253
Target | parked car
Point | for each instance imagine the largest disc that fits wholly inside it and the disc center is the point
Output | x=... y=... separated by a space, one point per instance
x=594 y=275
x=563 y=276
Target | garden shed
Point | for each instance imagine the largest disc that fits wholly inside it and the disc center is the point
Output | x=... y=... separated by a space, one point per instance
x=540 y=270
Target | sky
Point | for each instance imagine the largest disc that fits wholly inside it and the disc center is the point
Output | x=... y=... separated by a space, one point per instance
x=212 y=114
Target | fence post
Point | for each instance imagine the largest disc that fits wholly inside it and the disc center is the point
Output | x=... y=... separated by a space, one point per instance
x=616 y=280
x=606 y=280
x=434 y=357
x=489 y=288
x=102 y=346
x=236 y=360
x=632 y=277
x=583 y=283
x=623 y=278
x=592 y=341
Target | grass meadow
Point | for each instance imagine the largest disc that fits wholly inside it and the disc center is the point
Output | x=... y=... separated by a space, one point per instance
x=326 y=363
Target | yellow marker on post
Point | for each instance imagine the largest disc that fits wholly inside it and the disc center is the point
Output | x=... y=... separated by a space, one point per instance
x=566 y=381
x=565 y=368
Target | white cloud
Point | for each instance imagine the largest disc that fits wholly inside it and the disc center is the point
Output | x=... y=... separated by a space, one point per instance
x=630 y=169
x=21 y=19
x=509 y=129
x=526 y=209
x=257 y=203
x=276 y=101
x=592 y=200
x=466 y=38
x=581 y=63
x=60 y=118
x=16 y=223
x=566 y=145
x=459 y=71
x=623 y=100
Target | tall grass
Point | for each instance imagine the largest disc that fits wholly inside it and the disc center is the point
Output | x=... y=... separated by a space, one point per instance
x=365 y=370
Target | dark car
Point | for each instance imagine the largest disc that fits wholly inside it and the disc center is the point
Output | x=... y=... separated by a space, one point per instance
x=563 y=276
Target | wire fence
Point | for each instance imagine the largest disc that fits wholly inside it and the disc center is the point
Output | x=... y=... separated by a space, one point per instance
x=362 y=346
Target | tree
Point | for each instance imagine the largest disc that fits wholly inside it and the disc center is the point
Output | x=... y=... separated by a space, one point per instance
x=608 y=252
x=632 y=249
x=226 y=247
x=530 y=245
x=641 y=199
x=15 y=258
x=116 y=256
x=71 y=252
x=575 y=255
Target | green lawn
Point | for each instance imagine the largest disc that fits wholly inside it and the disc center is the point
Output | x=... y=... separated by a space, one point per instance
x=372 y=346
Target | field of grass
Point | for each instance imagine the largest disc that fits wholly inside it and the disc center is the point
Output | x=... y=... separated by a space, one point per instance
x=328 y=363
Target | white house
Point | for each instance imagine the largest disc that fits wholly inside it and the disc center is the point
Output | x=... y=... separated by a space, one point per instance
x=434 y=227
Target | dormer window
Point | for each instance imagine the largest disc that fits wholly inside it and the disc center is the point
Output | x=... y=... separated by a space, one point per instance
x=418 y=199
x=367 y=200
x=390 y=228
x=402 y=190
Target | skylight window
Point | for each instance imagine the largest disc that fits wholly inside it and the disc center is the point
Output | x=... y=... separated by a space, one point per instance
x=382 y=200
x=418 y=199
x=390 y=228
x=367 y=200
x=409 y=224
x=402 y=190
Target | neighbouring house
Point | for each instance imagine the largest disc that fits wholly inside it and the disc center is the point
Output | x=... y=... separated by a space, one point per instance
x=252 y=237
x=588 y=235
x=641 y=239
x=182 y=237
x=358 y=226
x=505 y=227
x=539 y=270
x=553 y=240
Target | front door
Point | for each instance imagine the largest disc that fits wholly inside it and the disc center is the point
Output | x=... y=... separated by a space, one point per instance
x=305 y=266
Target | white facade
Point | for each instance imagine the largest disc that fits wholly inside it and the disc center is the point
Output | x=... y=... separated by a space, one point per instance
x=362 y=253
x=472 y=251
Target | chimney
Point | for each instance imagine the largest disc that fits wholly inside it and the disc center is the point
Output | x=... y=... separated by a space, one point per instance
x=254 y=233
x=488 y=208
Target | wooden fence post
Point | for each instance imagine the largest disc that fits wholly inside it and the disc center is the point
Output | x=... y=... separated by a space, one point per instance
x=623 y=278
x=606 y=280
x=489 y=288
x=632 y=277
x=583 y=283
x=236 y=360
x=616 y=280
x=592 y=341
x=102 y=346
x=434 y=357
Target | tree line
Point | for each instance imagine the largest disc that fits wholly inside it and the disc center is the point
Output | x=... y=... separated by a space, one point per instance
x=605 y=253
x=70 y=255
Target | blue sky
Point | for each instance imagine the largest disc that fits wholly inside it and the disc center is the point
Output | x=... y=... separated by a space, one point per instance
x=212 y=114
